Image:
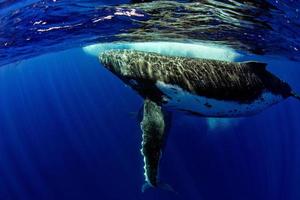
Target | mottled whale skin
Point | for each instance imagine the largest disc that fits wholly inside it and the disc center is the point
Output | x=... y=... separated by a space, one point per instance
x=201 y=87
x=153 y=127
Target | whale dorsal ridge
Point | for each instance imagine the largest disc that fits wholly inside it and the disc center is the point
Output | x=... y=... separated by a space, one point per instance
x=255 y=65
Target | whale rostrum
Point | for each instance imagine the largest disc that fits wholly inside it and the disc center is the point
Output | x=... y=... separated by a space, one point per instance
x=202 y=87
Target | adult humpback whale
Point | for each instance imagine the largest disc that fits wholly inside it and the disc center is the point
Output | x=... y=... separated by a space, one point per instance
x=201 y=87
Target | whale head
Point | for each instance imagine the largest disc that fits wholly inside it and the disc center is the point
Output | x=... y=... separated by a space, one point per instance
x=114 y=61
x=122 y=63
x=134 y=68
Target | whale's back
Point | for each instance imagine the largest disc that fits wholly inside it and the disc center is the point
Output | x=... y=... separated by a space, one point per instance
x=242 y=82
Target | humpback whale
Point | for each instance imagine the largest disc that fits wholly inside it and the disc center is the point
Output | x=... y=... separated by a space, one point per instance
x=201 y=87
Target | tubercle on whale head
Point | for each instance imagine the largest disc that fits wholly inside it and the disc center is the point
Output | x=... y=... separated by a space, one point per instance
x=113 y=60
x=106 y=59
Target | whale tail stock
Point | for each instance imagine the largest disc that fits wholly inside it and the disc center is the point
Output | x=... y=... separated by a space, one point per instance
x=295 y=95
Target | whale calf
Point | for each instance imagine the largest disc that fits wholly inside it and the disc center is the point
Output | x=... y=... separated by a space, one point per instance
x=201 y=87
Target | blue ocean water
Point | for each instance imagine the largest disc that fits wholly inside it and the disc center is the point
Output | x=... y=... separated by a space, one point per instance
x=69 y=128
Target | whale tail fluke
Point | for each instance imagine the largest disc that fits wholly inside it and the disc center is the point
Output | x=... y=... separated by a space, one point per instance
x=295 y=95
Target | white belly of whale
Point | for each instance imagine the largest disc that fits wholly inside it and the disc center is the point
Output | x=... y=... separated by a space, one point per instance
x=209 y=107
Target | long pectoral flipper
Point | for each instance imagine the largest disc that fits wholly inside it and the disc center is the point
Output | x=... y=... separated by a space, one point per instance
x=153 y=128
